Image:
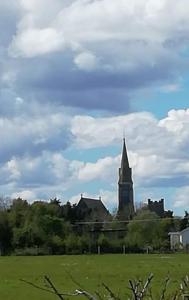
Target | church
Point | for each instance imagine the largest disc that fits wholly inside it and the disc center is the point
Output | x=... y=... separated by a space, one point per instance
x=94 y=210
x=126 y=209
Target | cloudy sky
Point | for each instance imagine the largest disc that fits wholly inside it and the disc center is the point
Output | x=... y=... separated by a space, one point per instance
x=75 y=75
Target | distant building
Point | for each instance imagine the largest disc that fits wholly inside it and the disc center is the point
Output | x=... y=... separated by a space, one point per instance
x=125 y=188
x=174 y=240
x=93 y=210
x=179 y=239
x=158 y=208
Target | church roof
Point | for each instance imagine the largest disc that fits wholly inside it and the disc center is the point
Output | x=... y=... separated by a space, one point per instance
x=92 y=209
x=93 y=203
x=125 y=170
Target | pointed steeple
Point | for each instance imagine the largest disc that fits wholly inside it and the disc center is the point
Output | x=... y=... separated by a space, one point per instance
x=125 y=185
x=124 y=160
x=125 y=170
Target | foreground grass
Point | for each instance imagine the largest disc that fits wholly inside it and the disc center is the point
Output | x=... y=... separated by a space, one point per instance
x=90 y=271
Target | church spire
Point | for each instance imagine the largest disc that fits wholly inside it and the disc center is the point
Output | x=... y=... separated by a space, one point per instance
x=124 y=160
x=125 y=185
x=125 y=170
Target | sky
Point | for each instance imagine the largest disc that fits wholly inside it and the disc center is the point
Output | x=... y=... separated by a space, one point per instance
x=78 y=75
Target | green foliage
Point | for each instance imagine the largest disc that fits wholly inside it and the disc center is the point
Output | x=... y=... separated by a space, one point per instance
x=18 y=212
x=51 y=227
x=149 y=230
x=5 y=233
x=162 y=238
x=69 y=212
x=103 y=240
x=185 y=221
x=142 y=231
x=56 y=244
x=40 y=224
x=72 y=244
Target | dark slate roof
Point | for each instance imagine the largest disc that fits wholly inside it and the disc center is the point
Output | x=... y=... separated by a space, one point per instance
x=93 y=203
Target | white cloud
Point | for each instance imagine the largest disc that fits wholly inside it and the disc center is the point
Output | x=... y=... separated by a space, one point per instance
x=101 y=169
x=86 y=61
x=26 y=195
x=13 y=169
x=39 y=13
x=154 y=146
x=75 y=198
x=48 y=40
x=98 y=132
x=110 y=199
x=181 y=199
x=30 y=134
x=171 y=88
x=60 y=166
x=142 y=31
x=19 y=100
x=134 y=41
x=157 y=149
x=145 y=134
x=177 y=121
x=46 y=169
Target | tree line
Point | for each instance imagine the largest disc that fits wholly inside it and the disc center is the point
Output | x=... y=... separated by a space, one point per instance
x=51 y=228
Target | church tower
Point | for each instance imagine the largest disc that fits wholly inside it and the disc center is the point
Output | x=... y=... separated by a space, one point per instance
x=125 y=186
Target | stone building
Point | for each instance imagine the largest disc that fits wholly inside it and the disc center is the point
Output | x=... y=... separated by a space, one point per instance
x=93 y=210
x=125 y=188
x=158 y=208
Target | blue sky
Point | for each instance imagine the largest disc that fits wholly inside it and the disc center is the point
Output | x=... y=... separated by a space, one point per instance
x=74 y=76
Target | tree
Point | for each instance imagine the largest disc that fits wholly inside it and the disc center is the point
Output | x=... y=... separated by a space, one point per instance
x=69 y=212
x=56 y=244
x=18 y=212
x=85 y=243
x=5 y=203
x=103 y=241
x=165 y=226
x=142 y=231
x=71 y=243
x=5 y=233
x=185 y=221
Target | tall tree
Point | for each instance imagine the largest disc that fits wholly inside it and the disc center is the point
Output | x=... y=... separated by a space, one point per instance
x=5 y=233
x=142 y=231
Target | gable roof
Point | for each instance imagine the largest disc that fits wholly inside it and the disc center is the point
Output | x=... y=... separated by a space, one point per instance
x=178 y=232
x=184 y=230
x=93 y=203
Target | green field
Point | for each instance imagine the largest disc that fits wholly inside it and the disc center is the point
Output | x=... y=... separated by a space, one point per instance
x=90 y=271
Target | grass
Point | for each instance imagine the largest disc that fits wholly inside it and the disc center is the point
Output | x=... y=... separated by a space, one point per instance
x=90 y=271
